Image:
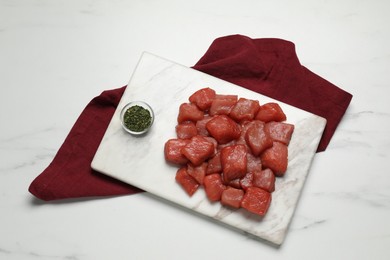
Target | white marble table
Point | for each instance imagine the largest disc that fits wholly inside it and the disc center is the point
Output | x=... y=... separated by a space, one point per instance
x=56 y=55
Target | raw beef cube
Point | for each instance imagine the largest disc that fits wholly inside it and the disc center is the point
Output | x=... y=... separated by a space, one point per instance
x=256 y=200
x=201 y=125
x=222 y=104
x=280 y=132
x=189 y=112
x=223 y=129
x=276 y=158
x=232 y=197
x=264 y=179
x=244 y=127
x=221 y=146
x=257 y=138
x=214 y=164
x=247 y=181
x=214 y=142
x=244 y=110
x=203 y=98
x=234 y=162
x=197 y=172
x=213 y=186
x=270 y=112
x=186 y=130
x=172 y=151
x=198 y=150
x=189 y=184
x=253 y=163
x=233 y=183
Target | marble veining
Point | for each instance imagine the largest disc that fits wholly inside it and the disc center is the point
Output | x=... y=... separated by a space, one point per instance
x=33 y=156
x=139 y=161
x=55 y=56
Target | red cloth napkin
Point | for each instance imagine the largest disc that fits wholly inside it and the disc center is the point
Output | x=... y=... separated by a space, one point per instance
x=70 y=175
x=271 y=67
x=267 y=66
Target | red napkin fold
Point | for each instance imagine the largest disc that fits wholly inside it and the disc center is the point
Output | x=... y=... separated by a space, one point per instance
x=267 y=66
x=70 y=175
x=271 y=67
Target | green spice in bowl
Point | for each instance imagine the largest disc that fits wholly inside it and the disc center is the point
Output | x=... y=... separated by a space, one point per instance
x=137 y=117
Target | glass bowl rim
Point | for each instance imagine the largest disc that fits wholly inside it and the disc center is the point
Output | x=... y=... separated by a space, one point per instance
x=131 y=104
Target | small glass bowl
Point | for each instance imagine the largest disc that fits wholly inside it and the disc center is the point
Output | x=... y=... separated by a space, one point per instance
x=136 y=103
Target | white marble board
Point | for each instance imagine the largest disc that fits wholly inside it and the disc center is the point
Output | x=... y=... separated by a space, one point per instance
x=140 y=161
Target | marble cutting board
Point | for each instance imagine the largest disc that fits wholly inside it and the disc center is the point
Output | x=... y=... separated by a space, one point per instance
x=139 y=161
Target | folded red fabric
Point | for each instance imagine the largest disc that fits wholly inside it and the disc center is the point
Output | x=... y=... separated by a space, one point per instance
x=70 y=175
x=271 y=67
x=267 y=66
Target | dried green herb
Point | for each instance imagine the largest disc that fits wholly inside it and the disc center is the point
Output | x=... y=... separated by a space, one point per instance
x=137 y=118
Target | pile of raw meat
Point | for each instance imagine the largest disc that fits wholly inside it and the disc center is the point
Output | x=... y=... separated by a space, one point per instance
x=232 y=147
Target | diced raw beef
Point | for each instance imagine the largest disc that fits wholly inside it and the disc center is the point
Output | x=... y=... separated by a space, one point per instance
x=233 y=183
x=203 y=98
x=213 y=186
x=234 y=162
x=276 y=158
x=253 y=163
x=244 y=110
x=197 y=172
x=223 y=129
x=186 y=130
x=232 y=197
x=214 y=164
x=172 y=151
x=257 y=138
x=214 y=142
x=243 y=127
x=264 y=179
x=189 y=184
x=189 y=112
x=231 y=147
x=246 y=181
x=270 y=112
x=222 y=104
x=256 y=200
x=198 y=150
x=280 y=132
x=201 y=125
